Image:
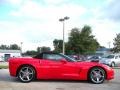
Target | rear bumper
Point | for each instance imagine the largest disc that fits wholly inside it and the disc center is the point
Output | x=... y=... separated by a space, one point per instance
x=12 y=69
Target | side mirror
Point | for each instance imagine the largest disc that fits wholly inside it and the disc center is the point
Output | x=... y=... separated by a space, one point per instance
x=63 y=61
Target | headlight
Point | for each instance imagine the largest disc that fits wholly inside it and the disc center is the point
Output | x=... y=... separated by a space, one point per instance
x=108 y=61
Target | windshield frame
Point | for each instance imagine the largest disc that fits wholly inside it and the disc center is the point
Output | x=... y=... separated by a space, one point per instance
x=110 y=56
x=69 y=59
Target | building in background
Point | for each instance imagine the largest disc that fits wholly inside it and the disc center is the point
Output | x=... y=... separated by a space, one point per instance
x=6 y=54
x=103 y=51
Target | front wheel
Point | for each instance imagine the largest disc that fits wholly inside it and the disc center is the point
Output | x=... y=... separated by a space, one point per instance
x=112 y=64
x=26 y=74
x=97 y=75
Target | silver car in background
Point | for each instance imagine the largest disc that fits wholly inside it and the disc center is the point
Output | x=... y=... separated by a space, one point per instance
x=111 y=60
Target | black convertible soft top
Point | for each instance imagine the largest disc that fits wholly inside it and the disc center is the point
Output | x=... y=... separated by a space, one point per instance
x=40 y=55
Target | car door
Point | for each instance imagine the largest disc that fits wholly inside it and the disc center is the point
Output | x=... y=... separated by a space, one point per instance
x=70 y=70
x=55 y=66
x=50 y=66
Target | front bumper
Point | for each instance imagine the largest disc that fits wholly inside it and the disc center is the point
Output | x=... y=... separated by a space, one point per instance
x=110 y=74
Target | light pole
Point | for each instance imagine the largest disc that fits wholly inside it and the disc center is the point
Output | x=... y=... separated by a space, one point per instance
x=109 y=44
x=21 y=47
x=63 y=21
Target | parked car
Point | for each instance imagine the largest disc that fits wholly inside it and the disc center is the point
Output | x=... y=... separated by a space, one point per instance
x=50 y=65
x=78 y=57
x=1 y=59
x=95 y=58
x=75 y=57
x=111 y=60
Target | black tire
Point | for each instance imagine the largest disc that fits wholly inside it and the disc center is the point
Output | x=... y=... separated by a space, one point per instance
x=97 y=75
x=26 y=74
x=112 y=64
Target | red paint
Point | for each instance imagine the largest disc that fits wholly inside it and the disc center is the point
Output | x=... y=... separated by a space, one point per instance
x=49 y=69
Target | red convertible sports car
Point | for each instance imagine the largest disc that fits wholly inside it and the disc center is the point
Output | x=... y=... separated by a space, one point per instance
x=50 y=65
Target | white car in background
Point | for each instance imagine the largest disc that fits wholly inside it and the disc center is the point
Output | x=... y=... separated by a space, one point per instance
x=111 y=60
x=1 y=59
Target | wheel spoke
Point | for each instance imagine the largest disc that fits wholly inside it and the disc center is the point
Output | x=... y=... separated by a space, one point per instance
x=30 y=73
x=28 y=78
x=97 y=79
x=23 y=77
x=94 y=72
x=27 y=69
x=22 y=71
x=99 y=72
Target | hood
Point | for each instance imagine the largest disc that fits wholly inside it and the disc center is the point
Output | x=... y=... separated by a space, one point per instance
x=87 y=63
x=105 y=59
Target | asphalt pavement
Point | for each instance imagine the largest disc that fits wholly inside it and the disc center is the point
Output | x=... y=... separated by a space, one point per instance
x=11 y=83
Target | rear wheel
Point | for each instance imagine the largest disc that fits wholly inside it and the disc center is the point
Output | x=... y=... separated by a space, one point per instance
x=97 y=75
x=26 y=74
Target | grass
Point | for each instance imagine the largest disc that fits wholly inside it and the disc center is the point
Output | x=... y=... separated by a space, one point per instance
x=3 y=66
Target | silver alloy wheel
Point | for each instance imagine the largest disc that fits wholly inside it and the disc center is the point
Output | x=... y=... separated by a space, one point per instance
x=97 y=75
x=26 y=74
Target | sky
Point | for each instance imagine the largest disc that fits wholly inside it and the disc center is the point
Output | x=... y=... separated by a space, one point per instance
x=36 y=22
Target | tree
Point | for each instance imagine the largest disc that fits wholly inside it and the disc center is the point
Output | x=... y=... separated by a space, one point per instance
x=116 y=44
x=30 y=53
x=44 y=49
x=58 y=44
x=10 y=47
x=82 y=41
x=38 y=49
x=73 y=41
x=14 y=47
x=4 y=47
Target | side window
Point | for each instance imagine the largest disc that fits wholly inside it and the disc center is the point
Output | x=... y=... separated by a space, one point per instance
x=47 y=56
x=119 y=56
x=58 y=57
x=55 y=57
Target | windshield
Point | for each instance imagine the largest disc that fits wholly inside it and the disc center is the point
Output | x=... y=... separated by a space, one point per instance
x=68 y=58
x=110 y=56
